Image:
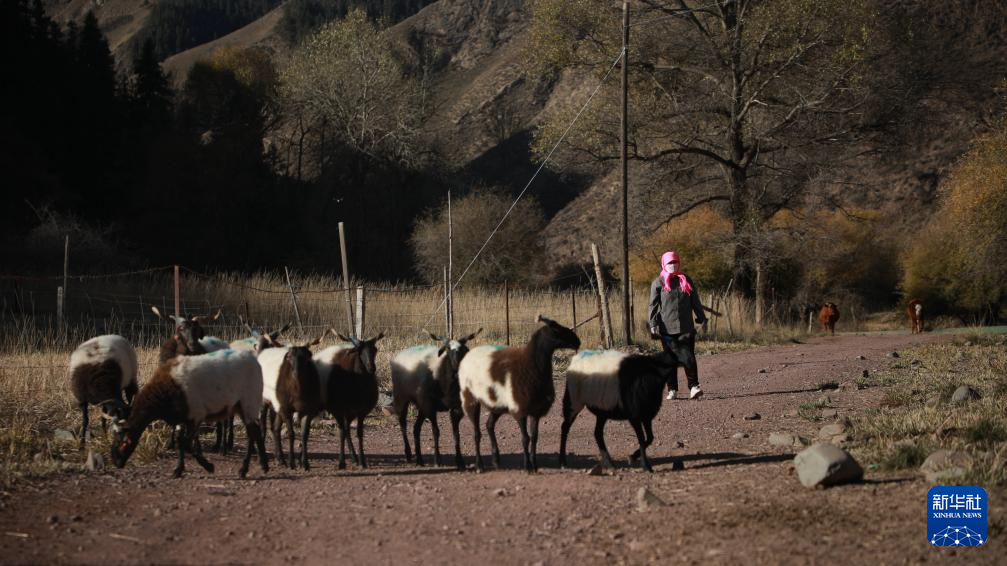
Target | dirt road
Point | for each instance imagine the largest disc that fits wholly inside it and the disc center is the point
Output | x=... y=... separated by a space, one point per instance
x=736 y=500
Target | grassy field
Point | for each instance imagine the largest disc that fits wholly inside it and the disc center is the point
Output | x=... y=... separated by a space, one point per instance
x=917 y=416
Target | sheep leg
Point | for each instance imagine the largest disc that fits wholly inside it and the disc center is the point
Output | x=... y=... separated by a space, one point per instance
x=349 y=441
x=436 y=429
x=599 y=438
x=229 y=439
x=181 y=442
x=218 y=444
x=84 y=424
x=473 y=413
x=533 y=432
x=417 y=428
x=523 y=425
x=491 y=429
x=288 y=418
x=131 y=390
x=197 y=449
x=360 y=441
x=648 y=430
x=401 y=409
x=342 y=442
x=255 y=434
x=277 y=425
x=305 y=431
x=456 y=418
x=638 y=429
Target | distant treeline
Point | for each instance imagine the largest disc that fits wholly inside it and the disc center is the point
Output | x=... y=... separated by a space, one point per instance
x=139 y=174
x=302 y=17
x=176 y=25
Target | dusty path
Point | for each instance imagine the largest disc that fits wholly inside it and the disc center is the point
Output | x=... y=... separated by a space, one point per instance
x=736 y=499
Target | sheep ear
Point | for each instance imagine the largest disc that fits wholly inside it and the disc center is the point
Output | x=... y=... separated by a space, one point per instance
x=158 y=313
x=245 y=325
x=471 y=336
x=433 y=336
x=441 y=351
x=318 y=340
x=341 y=337
x=285 y=328
x=378 y=337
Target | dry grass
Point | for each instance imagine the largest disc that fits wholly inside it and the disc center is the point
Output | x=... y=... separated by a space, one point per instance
x=917 y=416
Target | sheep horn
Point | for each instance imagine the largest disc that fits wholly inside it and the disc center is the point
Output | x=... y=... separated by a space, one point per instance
x=433 y=336
x=276 y=334
x=471 y=336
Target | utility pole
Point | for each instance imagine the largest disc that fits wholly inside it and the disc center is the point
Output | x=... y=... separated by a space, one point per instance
x=626 y=312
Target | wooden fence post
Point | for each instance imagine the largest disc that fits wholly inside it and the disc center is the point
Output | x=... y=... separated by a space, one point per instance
x=632 y=312
x=59 y=307
x=447 y=301
x=606 y=320
x=360 y=311
x=66 y=275
x=507 y=309
x=573 y=305
x=293 y=298
x=346 y=279
x=178 y=297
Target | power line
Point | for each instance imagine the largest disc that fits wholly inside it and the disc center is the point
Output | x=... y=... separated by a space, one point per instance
x=530 y=181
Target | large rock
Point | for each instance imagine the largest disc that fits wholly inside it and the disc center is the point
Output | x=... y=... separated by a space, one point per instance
x=784 y=439
x=646 y=500
x=61 y=435
x=830 y=430
x=825 y=465
x=945 y=465
x=965 y=393
x=95 y=462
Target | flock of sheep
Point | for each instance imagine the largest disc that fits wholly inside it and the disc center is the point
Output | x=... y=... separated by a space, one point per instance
x=201 y=379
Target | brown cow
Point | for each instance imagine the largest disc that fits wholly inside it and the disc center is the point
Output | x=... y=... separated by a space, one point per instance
x=828 y=317
x=914 y=310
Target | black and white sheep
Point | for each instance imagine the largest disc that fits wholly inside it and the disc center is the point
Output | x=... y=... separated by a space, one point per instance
x=349 y=387
x=515 y=380
x=291 y=385
x=427 y=377
x=101 y=371
x=617 y=386
x=188 y=390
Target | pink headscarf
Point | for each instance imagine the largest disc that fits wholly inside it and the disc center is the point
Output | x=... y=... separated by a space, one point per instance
x=666 y=275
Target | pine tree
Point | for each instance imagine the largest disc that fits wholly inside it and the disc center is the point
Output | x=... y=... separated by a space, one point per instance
x=151 y=93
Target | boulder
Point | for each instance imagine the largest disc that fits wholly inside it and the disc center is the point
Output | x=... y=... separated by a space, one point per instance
x=61 y=435
x=964 y=394
x=784 y=439
x=830 y=430
x=826 y=465
x=944 y=466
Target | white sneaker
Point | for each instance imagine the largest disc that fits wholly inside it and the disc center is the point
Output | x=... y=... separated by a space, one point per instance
x=671 y=395
x=695 y=392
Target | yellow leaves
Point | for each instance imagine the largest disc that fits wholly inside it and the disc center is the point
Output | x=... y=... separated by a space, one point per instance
x=699 y=237
x=969 y=231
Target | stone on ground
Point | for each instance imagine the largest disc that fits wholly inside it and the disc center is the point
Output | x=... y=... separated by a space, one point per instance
x=826 y=465
x=965 y=393
x=646 y=500
x=945 y=465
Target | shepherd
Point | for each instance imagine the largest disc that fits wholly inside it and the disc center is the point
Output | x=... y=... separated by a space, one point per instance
x=674 y=299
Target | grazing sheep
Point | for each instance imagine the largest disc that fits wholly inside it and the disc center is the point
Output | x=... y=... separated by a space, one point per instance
x=618 y=386
x=189 y=390
x=914 y=310
x=291 y=385
x=427 y=376
x=349 y=387
x=186 y=341
x=515 y=380
x=101 y=370
x=828 y=317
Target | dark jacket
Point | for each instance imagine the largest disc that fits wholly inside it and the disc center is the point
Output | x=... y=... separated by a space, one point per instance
x=671 y=311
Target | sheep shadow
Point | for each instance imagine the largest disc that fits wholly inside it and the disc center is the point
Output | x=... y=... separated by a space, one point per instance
x=765 y=393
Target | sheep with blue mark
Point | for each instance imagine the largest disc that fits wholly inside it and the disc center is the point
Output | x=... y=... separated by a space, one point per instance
x=102 y=369
x=515 y=380
x=615 y=386
x=427 y=377
x=188 y=390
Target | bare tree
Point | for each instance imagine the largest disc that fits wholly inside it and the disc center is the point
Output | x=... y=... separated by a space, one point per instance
x=745 y=102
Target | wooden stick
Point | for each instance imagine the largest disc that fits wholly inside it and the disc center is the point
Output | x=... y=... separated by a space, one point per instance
x=606 y=319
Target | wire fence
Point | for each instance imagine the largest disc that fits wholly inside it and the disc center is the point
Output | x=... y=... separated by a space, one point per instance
x=120 y=303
